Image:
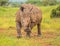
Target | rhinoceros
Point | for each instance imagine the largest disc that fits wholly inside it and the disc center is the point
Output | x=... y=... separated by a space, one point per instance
x=27 y=17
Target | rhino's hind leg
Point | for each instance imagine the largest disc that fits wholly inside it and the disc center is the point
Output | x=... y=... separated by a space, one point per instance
x=18 y=26
x=39 y=29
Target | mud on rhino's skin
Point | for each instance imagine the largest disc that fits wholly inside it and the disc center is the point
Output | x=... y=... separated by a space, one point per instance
x=27 y=17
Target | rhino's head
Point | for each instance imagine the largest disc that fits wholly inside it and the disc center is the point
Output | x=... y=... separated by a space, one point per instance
x=25 y=22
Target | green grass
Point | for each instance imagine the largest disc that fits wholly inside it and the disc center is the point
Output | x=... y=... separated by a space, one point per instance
x=50 y=29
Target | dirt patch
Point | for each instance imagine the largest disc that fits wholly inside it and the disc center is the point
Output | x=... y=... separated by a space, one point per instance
x=33 y=34
x=49 y=34
x=2 y=30
x=45 y=44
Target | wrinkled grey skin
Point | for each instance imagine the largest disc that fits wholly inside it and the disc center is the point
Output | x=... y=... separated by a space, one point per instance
x=27 y=17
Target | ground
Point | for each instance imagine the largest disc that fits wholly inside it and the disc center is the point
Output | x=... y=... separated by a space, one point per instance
x=50 y=29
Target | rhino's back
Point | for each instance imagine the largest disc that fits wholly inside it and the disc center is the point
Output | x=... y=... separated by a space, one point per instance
x=36 y=14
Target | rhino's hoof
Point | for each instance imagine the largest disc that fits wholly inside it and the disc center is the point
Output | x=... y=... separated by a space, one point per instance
x=19 y=37
x=39 y=35
x=28 y=36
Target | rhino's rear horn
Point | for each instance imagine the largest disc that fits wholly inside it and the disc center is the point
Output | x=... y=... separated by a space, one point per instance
x=22 y=8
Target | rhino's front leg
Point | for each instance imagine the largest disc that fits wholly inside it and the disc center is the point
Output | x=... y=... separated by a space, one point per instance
x=39 y=29
x=18 y=26
x=28 y=32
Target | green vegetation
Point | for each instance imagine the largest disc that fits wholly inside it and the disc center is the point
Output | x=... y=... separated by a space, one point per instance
x=35 y=2
x=49 y=2
x=3 y=2
x=50 y=29
x=56 y=12
x=42 y=2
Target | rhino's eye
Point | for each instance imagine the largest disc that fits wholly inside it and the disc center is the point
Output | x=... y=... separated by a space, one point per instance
x=22 y=8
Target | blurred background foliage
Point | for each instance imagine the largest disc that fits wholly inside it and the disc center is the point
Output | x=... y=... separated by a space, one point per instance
x=35 y=2
x=17 y=3
x=55 y=12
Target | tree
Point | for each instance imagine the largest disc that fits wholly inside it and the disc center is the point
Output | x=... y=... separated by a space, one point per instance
x=49 y=2
x=3 y=2
x=35 y=2
x=45 y=2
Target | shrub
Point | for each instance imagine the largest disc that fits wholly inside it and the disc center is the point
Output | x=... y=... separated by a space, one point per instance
x=58 y=8
x=55 y=12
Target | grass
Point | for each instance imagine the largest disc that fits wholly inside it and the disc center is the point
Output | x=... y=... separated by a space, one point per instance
x=50 y=29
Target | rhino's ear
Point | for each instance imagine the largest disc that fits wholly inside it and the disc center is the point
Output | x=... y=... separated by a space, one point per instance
x=22 y=9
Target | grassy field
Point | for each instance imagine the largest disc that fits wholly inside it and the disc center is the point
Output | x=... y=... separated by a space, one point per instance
x=50 y=29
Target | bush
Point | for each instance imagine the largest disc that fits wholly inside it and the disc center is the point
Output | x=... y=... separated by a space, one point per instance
x=55 y=12
x=3 y=2
x=58 y=8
